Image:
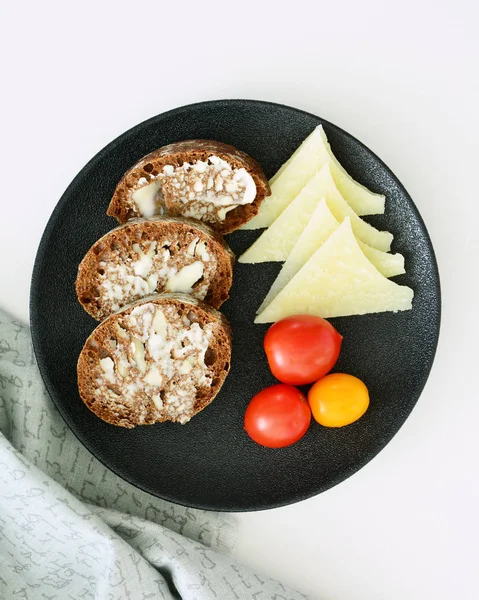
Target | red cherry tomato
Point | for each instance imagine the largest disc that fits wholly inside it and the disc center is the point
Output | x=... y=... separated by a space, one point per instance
x=278 y=416
x=302 y=349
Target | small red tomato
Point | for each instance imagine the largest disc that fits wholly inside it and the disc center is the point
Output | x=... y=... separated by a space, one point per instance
x=302 y=349
x=278 y=416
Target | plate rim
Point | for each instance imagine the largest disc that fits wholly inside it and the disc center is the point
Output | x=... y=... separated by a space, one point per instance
x=35 y=286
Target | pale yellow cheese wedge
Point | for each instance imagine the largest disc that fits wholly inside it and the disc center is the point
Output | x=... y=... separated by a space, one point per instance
x=320 y=226
x=279 y=239
x=337 y=281
x=291 y=178
x=386 y=263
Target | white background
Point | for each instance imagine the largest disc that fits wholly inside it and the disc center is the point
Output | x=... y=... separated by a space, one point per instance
x=403 y=78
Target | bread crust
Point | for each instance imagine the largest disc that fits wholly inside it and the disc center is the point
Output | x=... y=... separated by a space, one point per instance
x=191 y=151
x=129 y=415
x=154 y=229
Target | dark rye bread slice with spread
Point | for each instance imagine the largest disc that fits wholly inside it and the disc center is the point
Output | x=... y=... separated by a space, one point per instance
x=202 y=179
x=163 y=359
x=150 y=256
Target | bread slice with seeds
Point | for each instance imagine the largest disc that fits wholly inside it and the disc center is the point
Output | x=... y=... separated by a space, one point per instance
x=150 y=256
x=163 y=359
x=202 y=179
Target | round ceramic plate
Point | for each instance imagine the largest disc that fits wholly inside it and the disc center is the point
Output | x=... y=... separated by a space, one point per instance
x=211 y=462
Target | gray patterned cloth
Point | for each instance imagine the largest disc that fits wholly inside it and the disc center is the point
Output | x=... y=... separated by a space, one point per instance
x=71 y=529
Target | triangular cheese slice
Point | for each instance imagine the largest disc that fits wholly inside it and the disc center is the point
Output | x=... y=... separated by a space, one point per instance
x=277 y=241
x=386 y=263
x=291 y=178
x=337 y=281
x=320 y=226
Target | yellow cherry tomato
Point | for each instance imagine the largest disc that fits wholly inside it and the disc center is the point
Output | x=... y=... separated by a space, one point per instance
x=338 y=399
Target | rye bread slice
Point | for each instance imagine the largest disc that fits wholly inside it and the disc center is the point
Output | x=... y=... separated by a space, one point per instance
x=122 y=207
x=135 y=370
x=144 y=256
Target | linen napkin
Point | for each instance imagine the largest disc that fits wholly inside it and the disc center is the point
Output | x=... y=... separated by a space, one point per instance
x=72 y=529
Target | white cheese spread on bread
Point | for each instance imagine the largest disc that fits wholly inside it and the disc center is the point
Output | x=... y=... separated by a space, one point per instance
x=162 y=357
x=208 y=190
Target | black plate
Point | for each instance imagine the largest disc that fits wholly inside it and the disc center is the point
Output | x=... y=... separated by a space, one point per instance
x=210 y=462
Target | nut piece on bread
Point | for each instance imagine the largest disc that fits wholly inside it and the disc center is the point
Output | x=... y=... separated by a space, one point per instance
x=150 y=256
x=164 y=359
x=201 y=179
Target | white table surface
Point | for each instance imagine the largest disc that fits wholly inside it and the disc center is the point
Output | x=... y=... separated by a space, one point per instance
x=402 y=77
